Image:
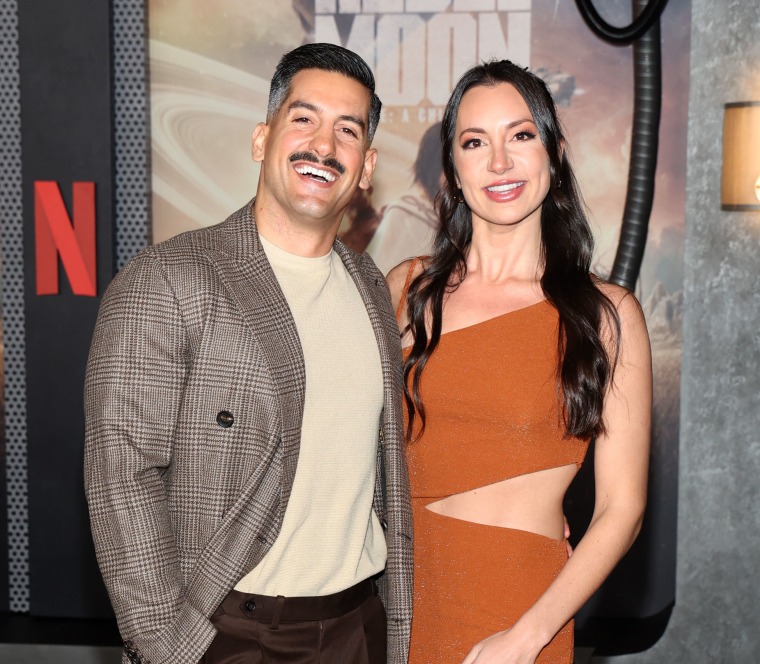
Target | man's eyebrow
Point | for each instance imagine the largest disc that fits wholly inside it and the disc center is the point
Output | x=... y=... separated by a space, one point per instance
x=355 y=120
x=302 y=104
x=299 y=103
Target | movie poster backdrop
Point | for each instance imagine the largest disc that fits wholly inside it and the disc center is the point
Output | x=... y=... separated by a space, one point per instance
x=210 y=67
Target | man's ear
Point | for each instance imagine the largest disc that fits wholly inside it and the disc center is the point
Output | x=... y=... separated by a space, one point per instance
x=259 y=141
x=370 y=160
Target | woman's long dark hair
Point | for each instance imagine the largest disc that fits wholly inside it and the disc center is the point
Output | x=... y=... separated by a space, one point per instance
x=585 y=369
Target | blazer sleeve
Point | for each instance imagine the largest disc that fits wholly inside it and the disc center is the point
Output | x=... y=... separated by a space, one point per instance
x=133 y=393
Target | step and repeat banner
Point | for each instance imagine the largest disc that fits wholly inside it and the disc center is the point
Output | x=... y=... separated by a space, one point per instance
x=209 y=67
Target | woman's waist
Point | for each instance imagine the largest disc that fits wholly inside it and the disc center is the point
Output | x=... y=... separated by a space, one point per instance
x=531 y=502
x=548 y=524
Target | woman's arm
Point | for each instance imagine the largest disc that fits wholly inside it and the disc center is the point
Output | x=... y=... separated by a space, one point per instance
x=621 y=467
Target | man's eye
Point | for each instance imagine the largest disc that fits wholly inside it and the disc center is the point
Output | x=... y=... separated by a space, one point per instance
x=349 y=132
x=301 y=119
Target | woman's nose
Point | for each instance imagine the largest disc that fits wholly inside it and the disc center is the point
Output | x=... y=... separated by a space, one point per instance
x=500 y=159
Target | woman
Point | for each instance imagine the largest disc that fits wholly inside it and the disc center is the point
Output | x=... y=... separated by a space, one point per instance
x=516 y=356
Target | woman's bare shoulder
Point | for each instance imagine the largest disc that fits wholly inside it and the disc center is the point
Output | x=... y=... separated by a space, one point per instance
x=398 y=276
x=629 y=310
x=622 y=298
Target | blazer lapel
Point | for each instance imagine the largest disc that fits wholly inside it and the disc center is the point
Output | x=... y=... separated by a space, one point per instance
x=373 y=290
x=245 y=271
x=368 y=290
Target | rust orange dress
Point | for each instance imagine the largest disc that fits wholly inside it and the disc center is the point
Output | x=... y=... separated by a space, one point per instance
x=490 y=393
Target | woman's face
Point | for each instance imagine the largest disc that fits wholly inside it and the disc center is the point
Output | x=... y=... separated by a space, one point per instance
x=501 y=164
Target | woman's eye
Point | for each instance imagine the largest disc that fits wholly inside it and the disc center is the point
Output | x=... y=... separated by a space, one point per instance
x=472 y=143
x=524 y=136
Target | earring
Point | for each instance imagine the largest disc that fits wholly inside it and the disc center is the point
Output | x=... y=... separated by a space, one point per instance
x=460 y=196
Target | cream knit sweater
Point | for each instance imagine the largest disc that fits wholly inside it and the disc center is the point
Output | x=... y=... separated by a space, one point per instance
x=330 y=537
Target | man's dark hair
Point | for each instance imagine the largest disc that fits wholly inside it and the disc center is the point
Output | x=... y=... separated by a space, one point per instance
x=327 y=57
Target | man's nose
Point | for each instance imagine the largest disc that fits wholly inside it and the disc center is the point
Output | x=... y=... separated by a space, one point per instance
x=323 y=141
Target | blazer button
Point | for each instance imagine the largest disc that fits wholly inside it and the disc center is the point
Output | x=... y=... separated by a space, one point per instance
x=250 y=605
x=225 y=419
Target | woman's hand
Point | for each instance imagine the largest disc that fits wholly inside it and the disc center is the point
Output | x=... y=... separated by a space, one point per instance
x=506 y=647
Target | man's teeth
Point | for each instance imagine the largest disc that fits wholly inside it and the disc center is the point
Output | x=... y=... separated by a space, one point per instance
x=315 y=172
x=501 y=188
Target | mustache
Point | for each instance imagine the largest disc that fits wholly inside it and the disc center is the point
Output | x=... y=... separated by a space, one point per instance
x=330 y=162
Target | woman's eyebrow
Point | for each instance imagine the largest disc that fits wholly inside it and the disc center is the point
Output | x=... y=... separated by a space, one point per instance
x=511 y=125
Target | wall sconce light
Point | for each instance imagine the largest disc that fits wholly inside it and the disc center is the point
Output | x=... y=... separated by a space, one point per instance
x=740 y=182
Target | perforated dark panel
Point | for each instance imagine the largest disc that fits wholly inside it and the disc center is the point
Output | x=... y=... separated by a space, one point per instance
x=132 y=204
x=130 y=53
x=13 y=310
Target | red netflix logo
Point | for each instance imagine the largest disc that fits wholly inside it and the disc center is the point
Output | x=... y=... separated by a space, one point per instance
x=56 y=235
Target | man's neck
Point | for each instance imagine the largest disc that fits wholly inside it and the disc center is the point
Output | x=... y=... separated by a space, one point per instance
x=310 y=239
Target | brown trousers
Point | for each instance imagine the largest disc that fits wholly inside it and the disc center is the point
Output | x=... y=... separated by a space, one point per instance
x=348 y=627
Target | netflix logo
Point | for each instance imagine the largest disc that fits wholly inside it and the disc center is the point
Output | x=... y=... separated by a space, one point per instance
x=68 y=238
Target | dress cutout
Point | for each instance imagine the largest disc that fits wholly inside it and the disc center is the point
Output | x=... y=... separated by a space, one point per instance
x=492 y=403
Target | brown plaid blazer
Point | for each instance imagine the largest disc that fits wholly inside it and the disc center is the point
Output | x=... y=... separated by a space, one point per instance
x=192 y=333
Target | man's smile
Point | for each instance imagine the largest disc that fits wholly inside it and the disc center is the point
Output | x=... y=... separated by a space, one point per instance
x=316 y=173
x=319 y=170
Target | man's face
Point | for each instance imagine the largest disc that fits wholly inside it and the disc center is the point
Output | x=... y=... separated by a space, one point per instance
x=314 y=150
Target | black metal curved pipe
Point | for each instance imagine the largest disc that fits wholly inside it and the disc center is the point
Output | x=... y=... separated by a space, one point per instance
x=628 y=34
x=643 y=165
x=647 y=104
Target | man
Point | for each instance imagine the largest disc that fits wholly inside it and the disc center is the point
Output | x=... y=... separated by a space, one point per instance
x=244 y=460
